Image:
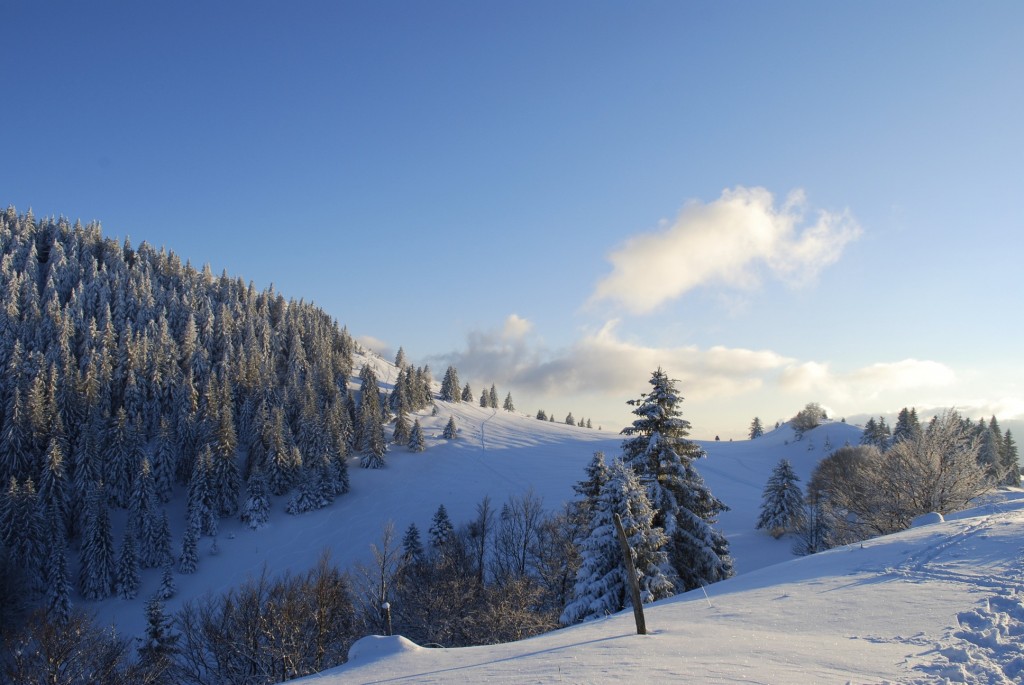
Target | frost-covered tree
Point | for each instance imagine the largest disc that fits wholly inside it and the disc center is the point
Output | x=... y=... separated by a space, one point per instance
x=1010 y=462
x=450 y=387
x=450 y=430
x=416 y=441
x=96 y=561
x=782 y=502
x=542 y=415
x=126 y=578
x=908 y=426
x=189 y=558
x=167 y=586
x=256 y=511
x=492 y=397
x=58 y=585
x=400 y=433
x=442 y=532
x=876 y=433
x=158 y=648
x=588 y=489
x=372 y=442
x=225 y=479
x=756 y=429
x=485 y=399
x=602 y=586
x=467 y=393
x=807 y=418
x=662 y=457
x=570 y=420
x=509 y=406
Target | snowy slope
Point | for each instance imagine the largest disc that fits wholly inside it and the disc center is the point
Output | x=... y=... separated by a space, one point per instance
x=498 y=454
x=938 y=603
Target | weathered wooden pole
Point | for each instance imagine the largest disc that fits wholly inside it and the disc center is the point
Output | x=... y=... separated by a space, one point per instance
x=634 y=583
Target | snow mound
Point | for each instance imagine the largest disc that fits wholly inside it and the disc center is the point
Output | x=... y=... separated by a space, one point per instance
x=373 y=647
x=927 y=519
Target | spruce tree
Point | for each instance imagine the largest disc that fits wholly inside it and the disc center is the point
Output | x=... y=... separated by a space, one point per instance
x=189 y=558
x=542 y=415
x=127 y=573
x=158 y=648
x=509 y=406
x=256 y=511
x=569 y=420
x=450 y=432
x=96 y=565
x=492 y=398
x=442 y=532
x=602 y=586
x=467 y=393
x=756 y=429
x=1010 y=463
x=167 y=586
x=662 y=457
x=225 y=479
x=450 y=387
x=416 y=440
x=58 y=585
x=782 y=505
x=485 y=399
x=400 y=434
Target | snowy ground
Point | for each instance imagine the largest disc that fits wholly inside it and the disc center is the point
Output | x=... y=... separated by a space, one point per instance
x=925 y=604
x=939 y=603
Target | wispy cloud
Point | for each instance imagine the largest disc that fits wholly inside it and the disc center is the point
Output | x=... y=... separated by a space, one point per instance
x=728 y=241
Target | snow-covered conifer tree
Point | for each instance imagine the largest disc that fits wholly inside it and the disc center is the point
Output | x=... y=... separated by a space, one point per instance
x=416 y=440
x=450 y=387
x=157 y=649
x=167 y=586
x=451 y=431
x=441 y=529
x=602 y=586
x=782 y=506
x=189 y=558
x=127 y=573
x=256 y=511
x=492 y=398
x=400 y=434
x=756 y=429
x=467 y=393
x=662 y=457
x=96 y=566
x=509 y=406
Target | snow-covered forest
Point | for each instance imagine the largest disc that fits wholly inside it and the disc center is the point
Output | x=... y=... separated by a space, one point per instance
x=227 y=477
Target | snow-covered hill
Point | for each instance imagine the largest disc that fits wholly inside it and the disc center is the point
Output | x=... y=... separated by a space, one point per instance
x=498 y=454
x=935 y=604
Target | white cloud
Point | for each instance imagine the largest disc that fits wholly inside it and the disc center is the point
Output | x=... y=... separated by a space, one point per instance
x=376 y=345
x=726 y=241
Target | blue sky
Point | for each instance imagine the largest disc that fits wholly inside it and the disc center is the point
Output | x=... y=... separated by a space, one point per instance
x=778 y=202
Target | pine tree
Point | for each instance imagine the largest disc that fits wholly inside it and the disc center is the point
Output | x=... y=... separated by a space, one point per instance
x=189 y=558
x=509 y=406
x=1010 y=463
x=569 y=420
x=256 y=511
x=157 y=650
x=58 y=585
x=416 y=440
x=756 y=429
x=143 y=519
x=908 y=427
x=485 y=399
x=127 y=573
x=164 y=461
x=467 y=393
x=492 y=398
x=602 y=586
x=588 y=489
x=371 y=423
x=451 y=432
x=450 y=387
x=225 y=479
x=167 y=587
x=96 y=567
x=201 y=514
x=782 y=506
x=663 y=458
x=400 y=434
x=542 y=415
x=442 y=532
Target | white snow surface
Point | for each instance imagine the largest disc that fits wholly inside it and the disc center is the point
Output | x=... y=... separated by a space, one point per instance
x=936 y=603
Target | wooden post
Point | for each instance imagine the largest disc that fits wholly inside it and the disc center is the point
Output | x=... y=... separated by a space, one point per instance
x=634 y=584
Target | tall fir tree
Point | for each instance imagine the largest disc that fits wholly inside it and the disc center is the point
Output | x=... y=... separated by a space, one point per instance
x=756 y=429
x=509 y=406
x=126 y=577
x=256 y=511
x=451 y=431
x=416 y=441
x=602 y=584
x=96 y=560
x=662 y=457
x=782 y=502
